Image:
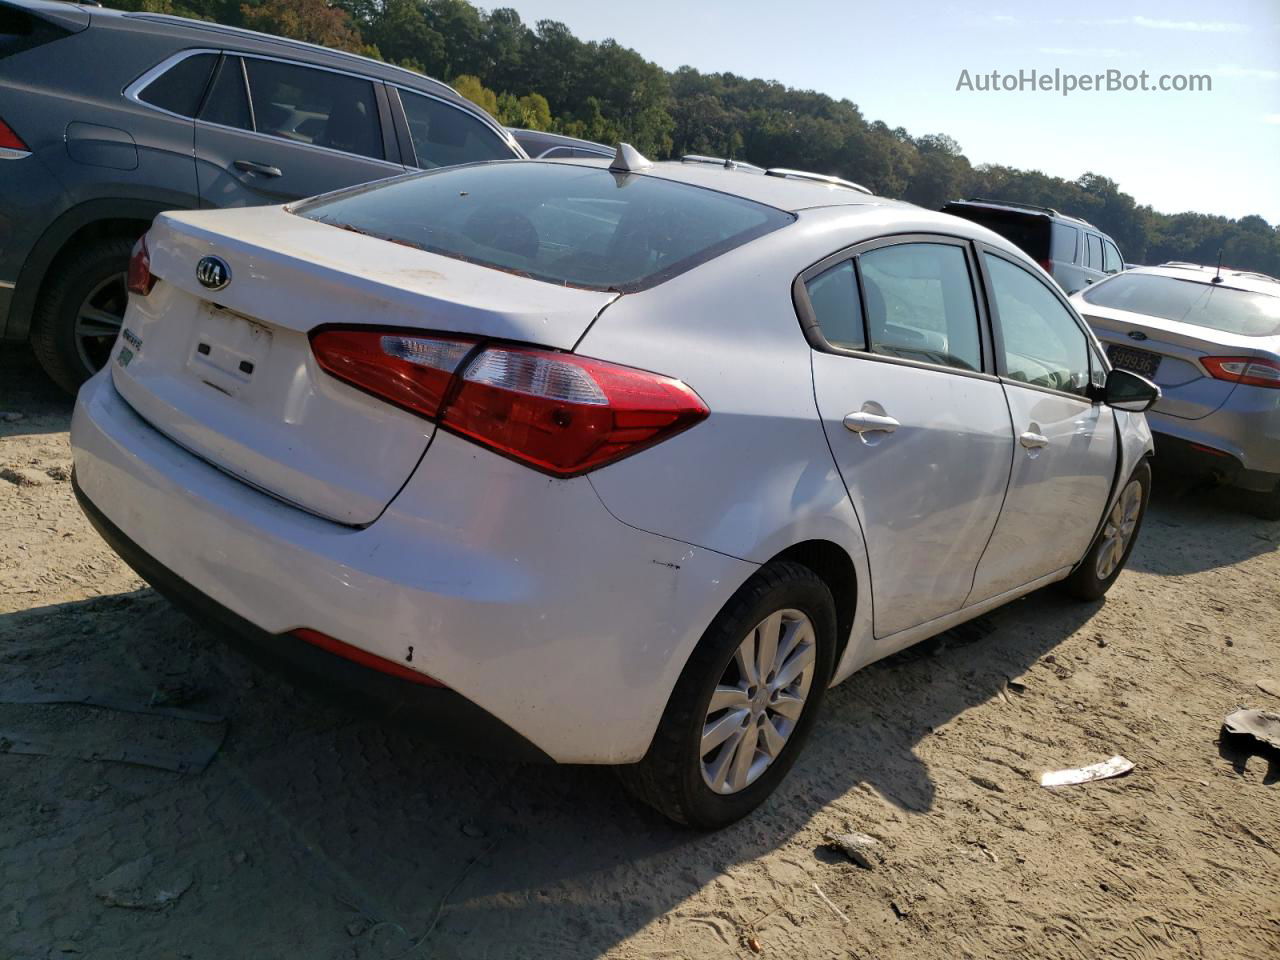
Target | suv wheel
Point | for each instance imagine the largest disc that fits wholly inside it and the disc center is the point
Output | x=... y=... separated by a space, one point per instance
x=744 y=705
x=81 y=310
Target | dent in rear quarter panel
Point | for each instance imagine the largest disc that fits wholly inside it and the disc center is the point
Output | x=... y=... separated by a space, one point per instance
x=757 y=476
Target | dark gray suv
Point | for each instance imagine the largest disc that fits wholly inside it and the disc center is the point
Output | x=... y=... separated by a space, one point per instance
x=107 y=118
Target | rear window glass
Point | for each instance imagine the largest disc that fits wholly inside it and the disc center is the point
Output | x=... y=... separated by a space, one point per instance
x=1064 y=243
x=1201 y=304
x=561 y=223
x=181 y=88
x=20 y=31
x=1029 y=232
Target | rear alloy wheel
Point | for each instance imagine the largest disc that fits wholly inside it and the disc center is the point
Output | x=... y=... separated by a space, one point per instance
x=745 y=702
x=1110 y=551
x=81 y=310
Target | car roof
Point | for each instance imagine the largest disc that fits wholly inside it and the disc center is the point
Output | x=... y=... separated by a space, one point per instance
x=781 y=192
x=547 y=140
x=1201 y=273
x=250 y=41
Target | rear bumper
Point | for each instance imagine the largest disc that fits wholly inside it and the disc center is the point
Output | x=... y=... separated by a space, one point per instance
x=520 y=593
x=457 y=721
x=1246 y=429
x=1204 y=460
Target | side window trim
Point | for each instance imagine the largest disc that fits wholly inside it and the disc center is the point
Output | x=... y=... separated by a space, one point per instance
x=133 y=90
x=1002 y=372
x=813 y=332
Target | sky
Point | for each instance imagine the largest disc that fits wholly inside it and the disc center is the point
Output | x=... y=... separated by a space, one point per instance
x=901 y=61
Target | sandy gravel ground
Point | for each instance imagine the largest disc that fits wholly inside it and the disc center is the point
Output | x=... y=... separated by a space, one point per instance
x=313 y=834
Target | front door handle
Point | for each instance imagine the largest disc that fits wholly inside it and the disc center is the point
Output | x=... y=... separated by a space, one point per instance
x=249 y=166
x=1033 y=441
x=863 y=422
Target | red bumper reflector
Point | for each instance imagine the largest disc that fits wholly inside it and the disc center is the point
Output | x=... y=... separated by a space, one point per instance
x=1203 y=449
x=364 y=657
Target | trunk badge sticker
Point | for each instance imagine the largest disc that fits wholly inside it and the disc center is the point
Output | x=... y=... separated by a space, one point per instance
x=131 y=338
x=213 y=272
x=124 y=356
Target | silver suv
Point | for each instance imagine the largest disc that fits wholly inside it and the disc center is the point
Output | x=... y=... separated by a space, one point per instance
x=107 y=118
x=1072 y=251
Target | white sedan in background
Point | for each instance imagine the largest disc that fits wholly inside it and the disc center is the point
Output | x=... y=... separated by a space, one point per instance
x=605 y=463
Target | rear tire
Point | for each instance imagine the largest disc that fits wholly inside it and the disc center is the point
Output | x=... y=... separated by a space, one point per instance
x=674 y=776
x=83 y=292
x=1108 y=555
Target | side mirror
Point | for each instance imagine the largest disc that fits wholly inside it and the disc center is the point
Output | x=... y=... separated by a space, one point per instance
x=1128 y=391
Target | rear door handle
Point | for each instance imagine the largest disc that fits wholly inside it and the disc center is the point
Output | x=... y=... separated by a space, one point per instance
x=249 y=166
x=1033 y=441
x=862 y=422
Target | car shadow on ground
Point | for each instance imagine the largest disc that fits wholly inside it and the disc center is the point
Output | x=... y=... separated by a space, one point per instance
x=34 y=402
x=374 y=836
x=1177 y=503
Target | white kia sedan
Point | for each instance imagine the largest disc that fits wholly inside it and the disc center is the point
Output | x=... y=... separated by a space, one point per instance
x=617 y=463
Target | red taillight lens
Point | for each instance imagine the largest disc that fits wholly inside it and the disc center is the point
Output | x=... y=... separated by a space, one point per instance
x=566 y=414
x=556 y=412
x=139 y=279
x=1254 y=371
x=1046 y=265
x=10 y=140
x=411 y=372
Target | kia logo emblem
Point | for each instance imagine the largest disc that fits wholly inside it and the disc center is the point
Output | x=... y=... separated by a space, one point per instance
x=213 y=272
x=1137 y=335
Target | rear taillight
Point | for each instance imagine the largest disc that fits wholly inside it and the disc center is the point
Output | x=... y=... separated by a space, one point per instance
x=1254 y=371
x=139 y=279
x=556 y=412
x=364 y=657
x=10 y=140
x=1046 y=265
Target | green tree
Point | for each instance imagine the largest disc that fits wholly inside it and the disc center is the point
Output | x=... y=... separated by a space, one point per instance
x=314 y=21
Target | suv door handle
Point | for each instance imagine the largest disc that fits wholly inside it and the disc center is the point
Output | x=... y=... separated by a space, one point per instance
x=1033 y=441
x=862 y=422
x=249 y=166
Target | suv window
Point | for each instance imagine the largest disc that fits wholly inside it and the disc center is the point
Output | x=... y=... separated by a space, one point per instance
x=228 y=101
x=1111 y=262
x=312 y=106
x=1094 y=261
x=444 y=136
x=1065 y=239
x=181 y=88
x=833 y=294
x=1042 y=344
x=920 y=305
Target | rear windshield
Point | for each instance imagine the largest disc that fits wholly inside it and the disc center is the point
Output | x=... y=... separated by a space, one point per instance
x=562 y=223
x=1029 y=232
x=1202 y=304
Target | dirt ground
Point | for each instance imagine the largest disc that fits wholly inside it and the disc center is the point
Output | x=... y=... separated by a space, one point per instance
x=319 y=835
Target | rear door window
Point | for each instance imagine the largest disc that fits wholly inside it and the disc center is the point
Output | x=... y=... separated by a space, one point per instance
x=317 y=107
x=1065 y=239
x=833 y=294
x=1111 y=262
x=228 y=100
x=920 y=306
x=443 y=135
x=181 y=88
x=1094 y=259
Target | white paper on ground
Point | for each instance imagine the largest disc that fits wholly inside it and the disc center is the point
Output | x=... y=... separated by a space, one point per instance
x=1114 y=767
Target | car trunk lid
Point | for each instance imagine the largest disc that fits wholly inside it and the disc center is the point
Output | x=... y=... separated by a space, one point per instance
x=229 y=373
x=1168 y=352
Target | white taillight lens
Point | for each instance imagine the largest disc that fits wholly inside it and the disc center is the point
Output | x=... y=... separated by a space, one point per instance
x=1254 y=371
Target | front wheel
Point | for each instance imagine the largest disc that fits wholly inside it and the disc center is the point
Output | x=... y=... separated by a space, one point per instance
x=745 y=702
x=1110 y=552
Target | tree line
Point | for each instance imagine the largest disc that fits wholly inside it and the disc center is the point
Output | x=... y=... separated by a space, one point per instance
x=542 y=77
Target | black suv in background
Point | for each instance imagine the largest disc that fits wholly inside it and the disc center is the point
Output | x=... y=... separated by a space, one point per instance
x=107 y=118
x=1072 y=251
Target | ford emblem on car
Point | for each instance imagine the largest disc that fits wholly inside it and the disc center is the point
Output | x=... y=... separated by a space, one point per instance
x=1133 y=334
x=213 y=272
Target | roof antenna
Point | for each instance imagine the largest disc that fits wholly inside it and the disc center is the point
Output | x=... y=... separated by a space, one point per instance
x=629 y=160
x=1217 y=277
